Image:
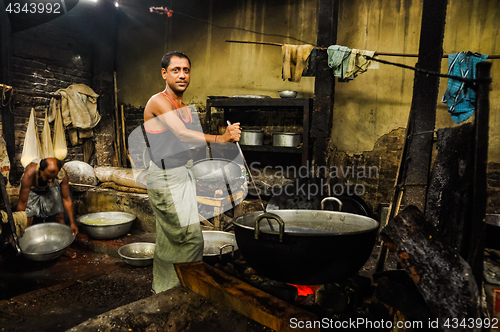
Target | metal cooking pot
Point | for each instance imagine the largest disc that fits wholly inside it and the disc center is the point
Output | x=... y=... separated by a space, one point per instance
x=219 y=247
x=43 y=242
x=287 y=139
x=106 y=225
x=252 y=137
x=306 y=247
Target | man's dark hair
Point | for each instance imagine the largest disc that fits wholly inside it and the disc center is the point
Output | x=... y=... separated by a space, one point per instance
x=165 y=61
x=44 y=163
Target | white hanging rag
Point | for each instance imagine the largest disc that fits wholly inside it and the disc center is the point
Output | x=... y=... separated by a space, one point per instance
x=358 y=63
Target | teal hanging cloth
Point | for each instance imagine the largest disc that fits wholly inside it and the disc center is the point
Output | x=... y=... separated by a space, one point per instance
x=460 y=98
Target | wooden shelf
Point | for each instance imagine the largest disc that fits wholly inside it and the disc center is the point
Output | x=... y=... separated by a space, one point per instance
x=271 y=148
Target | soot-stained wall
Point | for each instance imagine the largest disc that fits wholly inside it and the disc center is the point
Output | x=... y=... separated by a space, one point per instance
x=46 y=58
x=200 y=29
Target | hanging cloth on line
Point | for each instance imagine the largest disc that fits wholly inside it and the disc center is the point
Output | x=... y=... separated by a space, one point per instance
x=460 y=98
x=295 y=61
x=31 y=146
x=359 y=64
x=46 y=139
x=338 y=59
x=78 y=105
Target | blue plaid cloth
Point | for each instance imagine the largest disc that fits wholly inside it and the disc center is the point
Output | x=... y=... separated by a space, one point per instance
x=461 y=99
x=338 y=59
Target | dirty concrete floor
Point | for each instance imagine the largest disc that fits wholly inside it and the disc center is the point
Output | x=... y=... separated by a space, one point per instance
x=175 y=310
x=57 y=295
x=95 y=290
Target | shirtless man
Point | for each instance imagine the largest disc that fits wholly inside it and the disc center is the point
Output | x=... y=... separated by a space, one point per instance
x=171 y=185
x=39 y=195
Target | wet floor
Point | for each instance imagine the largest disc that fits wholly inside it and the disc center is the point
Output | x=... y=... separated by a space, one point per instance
x=59 y=294
x=19 y=275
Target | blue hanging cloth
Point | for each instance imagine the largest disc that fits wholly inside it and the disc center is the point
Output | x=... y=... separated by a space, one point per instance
x=338 y=60
x=460 y=98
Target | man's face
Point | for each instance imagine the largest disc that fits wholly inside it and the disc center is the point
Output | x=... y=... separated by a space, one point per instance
x=177 y=74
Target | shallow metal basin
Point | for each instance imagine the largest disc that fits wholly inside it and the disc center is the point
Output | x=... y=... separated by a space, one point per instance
x=211 y=170
x=137 y=253
x=43 y=242
x=106 y=225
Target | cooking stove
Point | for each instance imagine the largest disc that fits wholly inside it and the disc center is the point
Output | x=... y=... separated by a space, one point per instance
x=340 y=301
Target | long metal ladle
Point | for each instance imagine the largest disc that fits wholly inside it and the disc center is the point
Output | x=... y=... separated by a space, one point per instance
x=251 y=179
x=249 y=173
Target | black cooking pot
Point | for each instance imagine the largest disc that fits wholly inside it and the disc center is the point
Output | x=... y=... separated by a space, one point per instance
x=305 y=247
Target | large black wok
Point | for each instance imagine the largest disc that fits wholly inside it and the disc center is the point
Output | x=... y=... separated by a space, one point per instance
x=305 y=247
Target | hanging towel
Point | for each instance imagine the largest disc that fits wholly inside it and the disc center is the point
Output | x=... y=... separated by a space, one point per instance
x=461 y=99
x=78 y=105
x=358 y=63
x=338 y=59
x=295 y=61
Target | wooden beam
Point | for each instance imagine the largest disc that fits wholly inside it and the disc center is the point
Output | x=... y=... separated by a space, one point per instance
x=475 y=233
x=105 y=22
x=442 y=277
x=324 y=86
x=424 y=103
x=240 y=296
x=8 y=131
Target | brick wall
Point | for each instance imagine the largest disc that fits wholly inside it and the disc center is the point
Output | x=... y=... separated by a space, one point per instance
x=374 y=173
x=46 y=58
x=386 y=157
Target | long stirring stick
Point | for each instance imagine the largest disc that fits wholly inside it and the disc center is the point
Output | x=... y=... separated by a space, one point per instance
x=249 y=173
x=251 y=178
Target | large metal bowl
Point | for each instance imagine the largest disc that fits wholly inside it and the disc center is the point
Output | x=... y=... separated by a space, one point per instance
x=106 y=225
x=287 y=93
x=137 y=253
x=211 y=170
x=43 y=242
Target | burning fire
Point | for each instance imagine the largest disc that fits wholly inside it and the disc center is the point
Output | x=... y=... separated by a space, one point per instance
x=305 y=290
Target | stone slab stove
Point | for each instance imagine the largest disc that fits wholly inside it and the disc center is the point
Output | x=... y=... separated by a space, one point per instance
x=278 y=305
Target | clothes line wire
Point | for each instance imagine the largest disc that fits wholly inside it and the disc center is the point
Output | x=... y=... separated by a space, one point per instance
x=285 y=36
x=470 y=81
x=405 y=55
x=429 y=72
